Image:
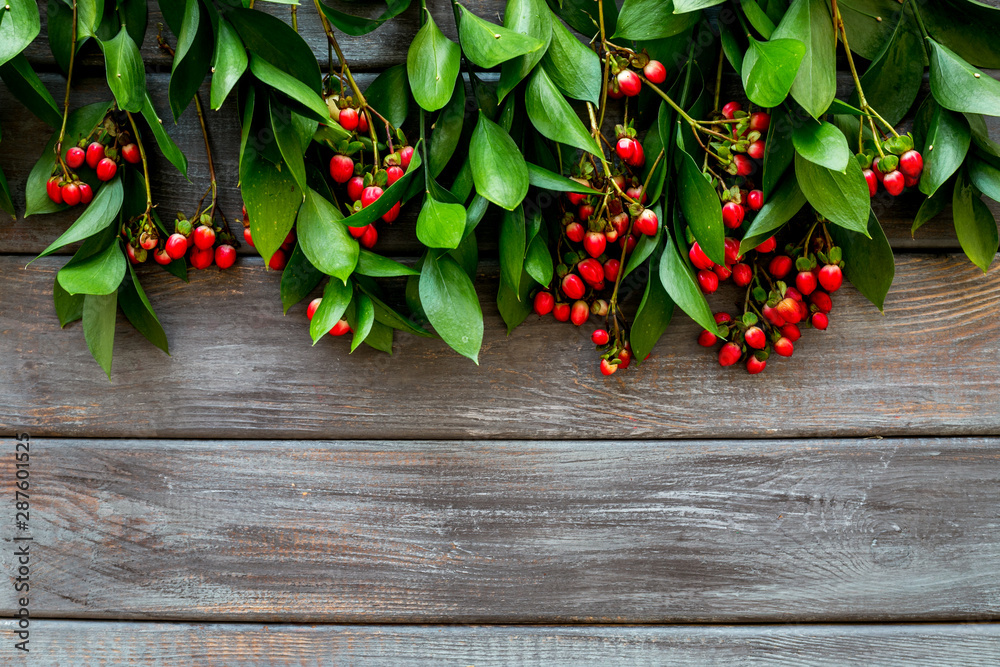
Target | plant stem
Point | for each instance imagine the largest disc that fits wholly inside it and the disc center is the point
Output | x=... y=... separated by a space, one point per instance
x=69 y=80
x=718 y=78
x=295 y=18
x=145 y=163
x=208 y=153
x=652 y=170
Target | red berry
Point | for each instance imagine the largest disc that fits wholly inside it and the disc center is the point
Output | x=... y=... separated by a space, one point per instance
x=611 y=268
x=629 y=83
x=405 y=155
x=894 y=182
x=106 y=169
x=647 y=223
x=625 y=148
x=783 y=346
x=600 y=337
x=699 y=258
x=369 y=238
x=95 y=153
x=248 y=237
x=176 y=246
x=638 y=157
x=755 y=365
x=75 y=157
x=591 y=271
x=289 y=241
x=755 y=338
x=594 y=243
x=780 y=266
x=341 y=168
x=147 y=241
x=575 y=232
x=744 y=165
x=133 y=254
x=729 y=354
x=806 y=282
x=71 y=194
x=340 y=328
x=723 y=271
x=392 y=213
x=910 y=181
x=722 y=317
x=544 y=302
x=706 y=338
x=820 y=321
x=872 y=181
x=625 y=356
x=756 y=151
x=655 y=72
x=362 y=123
x=742 y=275
x=54 y=190
x=822 y=301
x=585 y=211
x=204 y=237
x=911 y=163
x=755 y=199
x=225 y=256
x=613 y=91
x=708 y=281
x=201 y=258
x=732 y=214
x=580 y=312
x=576 y=198
x=878 y=172
x=772 y=316
x=608 y=368
x=355 y=187
x=572 y=286
x=278 y=260
x=370 y=194
x=86 y=194
x=131 y=153
x=732 y=250
x=760 y=121
x=393 y=174
x=788 y=310
x=730 y=109
x=831 y=277
x=628 y=244
x=313 y=305
x=161 y=257
x=561 y=312
x=767 y=246
x=348 y=119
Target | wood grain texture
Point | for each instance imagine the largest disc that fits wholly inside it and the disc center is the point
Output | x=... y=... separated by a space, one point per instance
x=241 y=369
x=90 y=643
x=514 y=532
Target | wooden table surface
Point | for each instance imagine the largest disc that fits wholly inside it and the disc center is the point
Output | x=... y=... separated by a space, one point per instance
x=252 y=498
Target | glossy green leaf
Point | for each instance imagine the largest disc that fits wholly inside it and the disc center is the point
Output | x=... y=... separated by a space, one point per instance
x=947 y=141
x=447 y=131
x=975 y=225
x=758 y=18
x=20 y=26
x=487 y=44
x=390 y=196
x=290 y=86
x=581 y=15
x=59 y=29
x=931 y=207
x=167 y=146
x=778 y=152
x=786 y=201
x=272 y=199
x=126 y=71
x=815 y=84
x=552 y=115
x=193 y=57
x=842 y=198
x=100 y=213
x=968 y=28
x=69 y=307
x=573 y=68
x=6 y=203
x=823 y=144
x=549 y=180
x=229 y=62
x=389 y=94
x=892 y=81
x=868 y=260
x=538 y=261
x=440 y=224
x=512 y=246
x=654 y=314
x=375 y=265
x=101 y=273
x=380 y=338
x=336 y=297
x=325 y=240
x=986 y=177
x=526 y=17
x=298 y=279
x=389 y=317
x=99 y=314
x=498 y=168
x=365 y=314
x=644 y=248
x=137 y=309
x=959 y=86
x=432 y=65
x=652 y=19
x=514 y=305
x=981 y=135
x=683 y=6
x=27 y=88
x=449 y=299
x=701 y=208
x=869 y=24
x=270 y=39
x=134 y=16
x=679 y=282
x=769 y=68
x=287 y=139
x=357 y=25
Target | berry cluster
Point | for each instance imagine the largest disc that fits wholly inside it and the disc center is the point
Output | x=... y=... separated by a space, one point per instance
x=896 y=167
x=200 y=239
x=101 y=155
x=625 y=82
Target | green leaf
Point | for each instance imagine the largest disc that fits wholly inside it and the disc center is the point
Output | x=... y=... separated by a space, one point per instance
x=380 y=338
x=101 y=273
x=390 y=196
x=377 y=266
x=512 y=247
x=778 y=152
x=99 y=313
x=823 y=144
x=20 y=26
x=815 y=84
x=968 y=28
x=498 y=168
x=652 y=19
x=391 y=318
x=357 y=25
x=959 y=86
x=573 y=68
x=449 y=299
x=644 y=248
x=271 y=39
x=786 y=201
x=447 y=131
x=432 y=65
x=701 y=208
x=126 y=71
x=514 y=305
x=758 y=18
x=931 y=207
x=842 y=198
x=27 y=88
x=986 y=177
x=868 y=260
x=974 y=224
x=549 y=180
x=679 y=282
x=981 y=135
x=552 y=115
x=682 y=6
x=389 y=94
x=538 y=261
x=892 y=81
x=69 y=307
x=769 y=68
x=192 y=59
x=326 y=241
x=487 y=44
x=581 y=15
x=652 y=318
x=526 y=17
x=167 y=146
x=290 y=86
x=134 y=16
x=946 y=144
x=229 y=62
x=137 y=309
x=298 y=279
x=288 y=142
x=365 y=319
x=336 y=297
x=272 y=199
x=100 y=213
x=6 y=203
x=869 y=24
x=440 y=224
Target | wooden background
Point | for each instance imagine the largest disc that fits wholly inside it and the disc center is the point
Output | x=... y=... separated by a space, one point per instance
x=254 y=498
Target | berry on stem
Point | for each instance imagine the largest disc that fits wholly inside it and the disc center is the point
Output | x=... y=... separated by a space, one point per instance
x=894 y=182
x=348 y=119
x=831 y=277
x=561 y=312
x=131 y=154
x=744 y=165
x=201 y=258
x=755 y=199
x=699 y=258
x=647 y=223
x=805 y=281
x=755 y=365
x=580 y=312
x=54 y=190
x=784 y=347
x=86 y=194
x=176 y=246
x=742 y=275
x=575 y=232
x=629 y=83
x=278 y=260
x=544 y=303
x=780 y=266
x=341 y=168
x=872 y=181
x=820 y=321
x=760 y=121
x=313 y=305
x=708 y=281
x=71 y=194
x=729 y=354
x=755 y=338
x=655 y=72
x=573 y=287
x=106 y=169
x=732 y=214
x=600 y=337
x=730 y=109
x=756 y=151
x=225 y=256
x=75 y=157
x=95 y=153
x=911 y=163
x=204 y=237
x=355 y=187
x=369 y=238
x=791 y=332
x=594 y=243
x=707 y=338
x=767 y=246
x=608 y=368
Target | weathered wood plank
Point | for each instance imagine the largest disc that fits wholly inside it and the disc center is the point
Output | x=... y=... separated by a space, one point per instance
x=521 y=532
x=241 y=369
x=86 y=643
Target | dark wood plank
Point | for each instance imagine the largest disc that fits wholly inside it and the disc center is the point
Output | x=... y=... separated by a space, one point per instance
x=536 y=532
x=241 y=369
x=148 y=644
